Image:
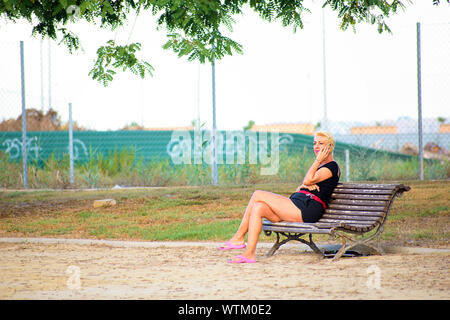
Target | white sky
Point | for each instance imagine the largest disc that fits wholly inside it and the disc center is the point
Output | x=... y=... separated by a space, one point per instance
x=278 y=79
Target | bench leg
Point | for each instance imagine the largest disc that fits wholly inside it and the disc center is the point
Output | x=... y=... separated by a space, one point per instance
x=276 y=245
x=344 y=249
x=361 y=243
x=341 y=251
x=312 y=245
x=289 y=237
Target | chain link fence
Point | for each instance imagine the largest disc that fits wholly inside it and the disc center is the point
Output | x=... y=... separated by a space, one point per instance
x=385 y=149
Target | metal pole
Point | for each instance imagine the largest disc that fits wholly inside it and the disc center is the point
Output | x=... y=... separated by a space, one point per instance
x=49 y=76
x=325 y=115
x=347 y=165
x=24 y=117
x=198 y=97
x=142 y=101
x=42 y=75
x=213 y=133
x=71 y=144
x=419 y=101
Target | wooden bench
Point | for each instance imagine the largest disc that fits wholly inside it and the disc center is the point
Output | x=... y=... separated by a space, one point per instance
x=356 y=213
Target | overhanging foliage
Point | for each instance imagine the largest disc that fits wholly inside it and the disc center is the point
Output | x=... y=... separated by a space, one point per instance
x=195 y=28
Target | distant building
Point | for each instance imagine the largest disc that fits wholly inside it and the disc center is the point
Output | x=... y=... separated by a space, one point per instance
x=188 y=128
x=301 y=128
x=374 y=130
x=444 y=128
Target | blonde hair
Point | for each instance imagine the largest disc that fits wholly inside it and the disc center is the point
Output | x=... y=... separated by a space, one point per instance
x=327 y=136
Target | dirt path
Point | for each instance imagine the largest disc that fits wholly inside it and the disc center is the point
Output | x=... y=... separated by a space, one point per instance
x=96 y=270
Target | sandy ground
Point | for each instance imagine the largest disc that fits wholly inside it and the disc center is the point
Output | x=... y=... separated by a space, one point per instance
x=117 y=270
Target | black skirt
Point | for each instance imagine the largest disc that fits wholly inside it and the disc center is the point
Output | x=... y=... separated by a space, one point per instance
x=311 y=209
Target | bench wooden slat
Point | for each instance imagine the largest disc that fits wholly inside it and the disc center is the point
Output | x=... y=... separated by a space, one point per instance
x=350 y=217
x=287 y=223
x=304 y=225
x=356 y=221
x=359 y=202
x=355 y=224
x=298 y=230
x=356 y=208
x=354 y=213
x=360 y=196
x=362 y=191
x=290 y=224
x=366 y=186
x=358 y=226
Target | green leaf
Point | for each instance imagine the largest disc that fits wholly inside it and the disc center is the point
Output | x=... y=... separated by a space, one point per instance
x=119 y=57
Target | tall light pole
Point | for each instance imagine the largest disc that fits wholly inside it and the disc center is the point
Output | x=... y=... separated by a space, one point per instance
x=49 y=75
x=42 y=74
x=213 y=133
x=419 y=102
x=325 y=115
x=24 y=117
x=198 y=97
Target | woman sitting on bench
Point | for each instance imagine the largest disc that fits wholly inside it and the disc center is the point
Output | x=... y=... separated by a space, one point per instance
x=307 y=204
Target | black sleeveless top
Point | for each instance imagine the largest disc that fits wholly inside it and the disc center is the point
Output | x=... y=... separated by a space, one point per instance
x=327 y=186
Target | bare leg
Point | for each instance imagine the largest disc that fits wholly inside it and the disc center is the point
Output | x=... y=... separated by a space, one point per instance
x=258 y=195
x=267 y=205
x=238 y=237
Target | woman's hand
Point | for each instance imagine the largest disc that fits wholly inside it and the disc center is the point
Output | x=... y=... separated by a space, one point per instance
x=310 y=188
x=315 y=173
x=323 y=153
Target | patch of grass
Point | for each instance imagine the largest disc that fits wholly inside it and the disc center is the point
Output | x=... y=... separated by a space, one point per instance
x=167 y=203
x=423 y=234
x=215 y=230
x=47 y=222
x=86 y=215
x=22 y=229
x=439 y=210
x=388 y=235
x=15 y=194
x=429 y=234
x=101 y=232
x=57 y=231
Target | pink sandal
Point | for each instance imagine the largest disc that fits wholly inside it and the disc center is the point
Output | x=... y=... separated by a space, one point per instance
x=230 y=246
x=242 y=259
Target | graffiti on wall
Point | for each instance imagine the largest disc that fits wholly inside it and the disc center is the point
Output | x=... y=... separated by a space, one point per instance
x=14 y=147
x=182 y=149
x=34 y=148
